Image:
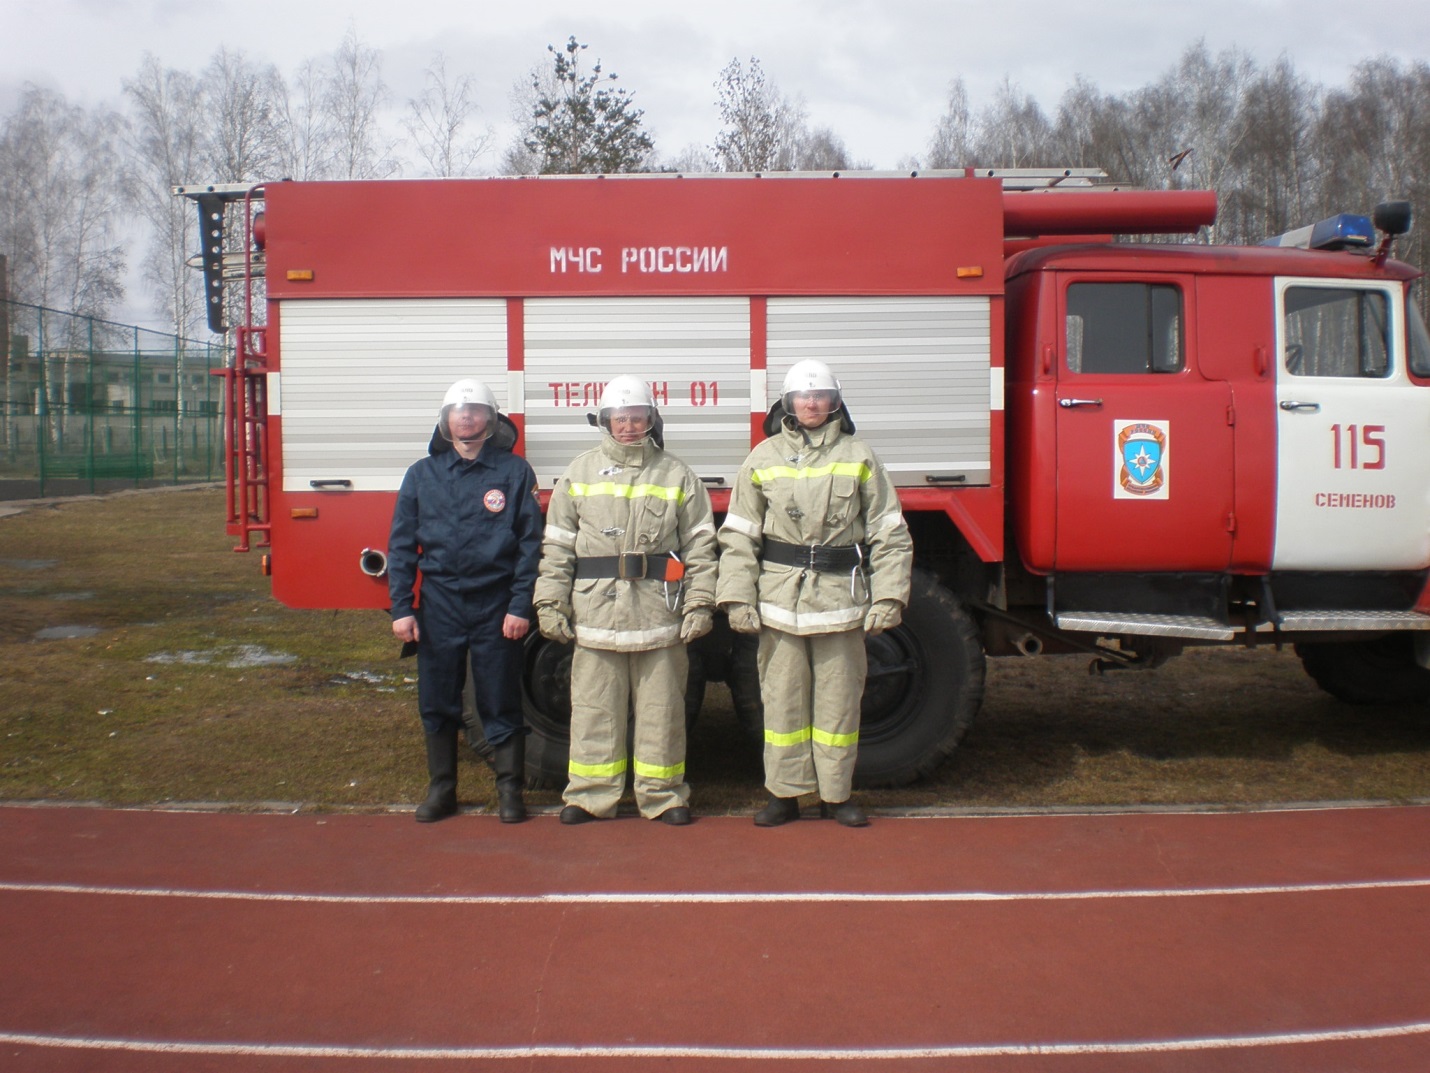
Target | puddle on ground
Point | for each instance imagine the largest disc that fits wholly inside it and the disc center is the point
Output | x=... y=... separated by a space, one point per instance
x=366 y=677
x=71 y=595
x=30 y=564
x=65 y=633
x=236 y=657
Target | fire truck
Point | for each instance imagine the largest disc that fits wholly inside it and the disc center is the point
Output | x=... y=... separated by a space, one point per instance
x=1123 y=448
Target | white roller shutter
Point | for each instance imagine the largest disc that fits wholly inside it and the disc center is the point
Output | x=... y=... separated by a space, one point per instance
x=915 y=373
x=695 y=352
x=362 y=381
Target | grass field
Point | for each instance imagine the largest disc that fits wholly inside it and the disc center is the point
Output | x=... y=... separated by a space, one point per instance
x=143 y=662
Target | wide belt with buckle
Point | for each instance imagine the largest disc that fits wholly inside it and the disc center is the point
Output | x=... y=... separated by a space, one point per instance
x=818 y=557
x=631 y=567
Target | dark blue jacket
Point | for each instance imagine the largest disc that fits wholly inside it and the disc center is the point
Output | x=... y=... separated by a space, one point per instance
x=471 y=527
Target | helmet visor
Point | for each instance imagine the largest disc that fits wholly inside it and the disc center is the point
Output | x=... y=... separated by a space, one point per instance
x=811 y=408
x=628 y=424
x=469 y=423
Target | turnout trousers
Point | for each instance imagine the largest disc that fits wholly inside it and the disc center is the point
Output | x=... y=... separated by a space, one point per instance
x=461 y=634
x=812 y=687
x=606 y=687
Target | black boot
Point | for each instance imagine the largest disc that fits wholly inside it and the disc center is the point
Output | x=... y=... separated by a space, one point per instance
x=442 y=768
x=509 y=761
x=778 y=810
x=849 y=813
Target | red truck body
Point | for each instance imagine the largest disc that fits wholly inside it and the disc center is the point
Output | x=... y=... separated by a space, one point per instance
x=1116 y=447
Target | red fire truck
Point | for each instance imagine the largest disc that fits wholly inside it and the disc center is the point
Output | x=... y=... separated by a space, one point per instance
x=1121 y=448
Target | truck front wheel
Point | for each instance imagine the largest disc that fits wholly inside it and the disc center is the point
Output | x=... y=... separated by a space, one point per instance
x=924 y=687
x=1381 y=670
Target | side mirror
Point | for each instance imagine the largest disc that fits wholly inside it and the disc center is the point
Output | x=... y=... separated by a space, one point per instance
x=1393 y=217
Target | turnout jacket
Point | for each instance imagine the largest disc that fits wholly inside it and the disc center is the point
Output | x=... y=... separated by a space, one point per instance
x=627 y=499
x=809 y=487
x=471 y=527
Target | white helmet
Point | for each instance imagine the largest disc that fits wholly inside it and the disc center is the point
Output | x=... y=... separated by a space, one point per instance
x=468 y=393
x=622 y=393
x=810 y=375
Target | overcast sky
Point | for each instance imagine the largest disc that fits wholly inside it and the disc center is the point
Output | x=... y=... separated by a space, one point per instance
x=874 y=71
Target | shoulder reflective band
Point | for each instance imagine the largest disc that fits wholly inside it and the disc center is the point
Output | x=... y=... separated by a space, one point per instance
x=857 y=470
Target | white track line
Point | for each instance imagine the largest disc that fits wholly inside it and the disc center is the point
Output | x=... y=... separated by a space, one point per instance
x=707 y=898
x=900 y=1054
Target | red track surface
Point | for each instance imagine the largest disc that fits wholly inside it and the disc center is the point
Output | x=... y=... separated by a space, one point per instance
x=1253 y=941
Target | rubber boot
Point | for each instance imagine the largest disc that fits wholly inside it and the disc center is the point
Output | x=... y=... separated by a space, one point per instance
x=509 y=762
x=778 y=811
x=442 y=769
x=848 y=813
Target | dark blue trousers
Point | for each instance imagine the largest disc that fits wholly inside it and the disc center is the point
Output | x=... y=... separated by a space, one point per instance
x=462 y=633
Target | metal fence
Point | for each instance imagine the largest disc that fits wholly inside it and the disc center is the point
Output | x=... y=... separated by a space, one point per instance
x=94 y=406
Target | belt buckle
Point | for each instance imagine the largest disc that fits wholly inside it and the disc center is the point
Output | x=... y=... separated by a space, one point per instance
x=628 y=563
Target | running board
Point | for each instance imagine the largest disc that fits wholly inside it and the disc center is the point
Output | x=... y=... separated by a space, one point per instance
x=1205 y=628
x=1303 y=621
x=1202 y=628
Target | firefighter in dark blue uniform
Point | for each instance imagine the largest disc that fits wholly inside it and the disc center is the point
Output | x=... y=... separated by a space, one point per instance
x=467 y=516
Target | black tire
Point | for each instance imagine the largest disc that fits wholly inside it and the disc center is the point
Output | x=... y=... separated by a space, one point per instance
x=1381 y=670
x=744 y=683
x=546 y=705
x=925 y=685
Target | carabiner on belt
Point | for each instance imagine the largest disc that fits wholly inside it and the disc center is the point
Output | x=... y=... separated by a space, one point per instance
x=673 y=604
x=860 y=574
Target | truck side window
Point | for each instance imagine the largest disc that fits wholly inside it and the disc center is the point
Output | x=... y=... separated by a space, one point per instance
x=1419 y=337
x=1336 y=331
x=1124 y=328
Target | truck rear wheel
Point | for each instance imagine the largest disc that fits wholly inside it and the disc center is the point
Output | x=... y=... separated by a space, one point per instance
x=1381 y=670
x=924 y=687
x=546 y=705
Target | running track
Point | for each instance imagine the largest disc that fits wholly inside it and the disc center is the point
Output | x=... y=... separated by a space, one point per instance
x=1266 y=941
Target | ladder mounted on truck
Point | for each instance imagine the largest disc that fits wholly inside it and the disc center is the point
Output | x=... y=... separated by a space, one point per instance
x=246 y=464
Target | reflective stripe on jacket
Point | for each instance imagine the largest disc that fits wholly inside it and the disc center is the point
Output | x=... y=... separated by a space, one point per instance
x=821 y=486
x=627 y=499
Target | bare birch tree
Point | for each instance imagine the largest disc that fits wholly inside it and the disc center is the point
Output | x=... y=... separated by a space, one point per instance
x=952 y=144
x=353 y=93
x=1012 y=132
x=1095 y=130
x=440 y=123
x=167 y=146
x=64 y=185
x=243 y=110
x=1274 y=186
x=308 y=140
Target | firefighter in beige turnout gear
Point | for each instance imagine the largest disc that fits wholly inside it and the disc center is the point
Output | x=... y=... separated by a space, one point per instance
x=815 y=554
x=628 y=573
